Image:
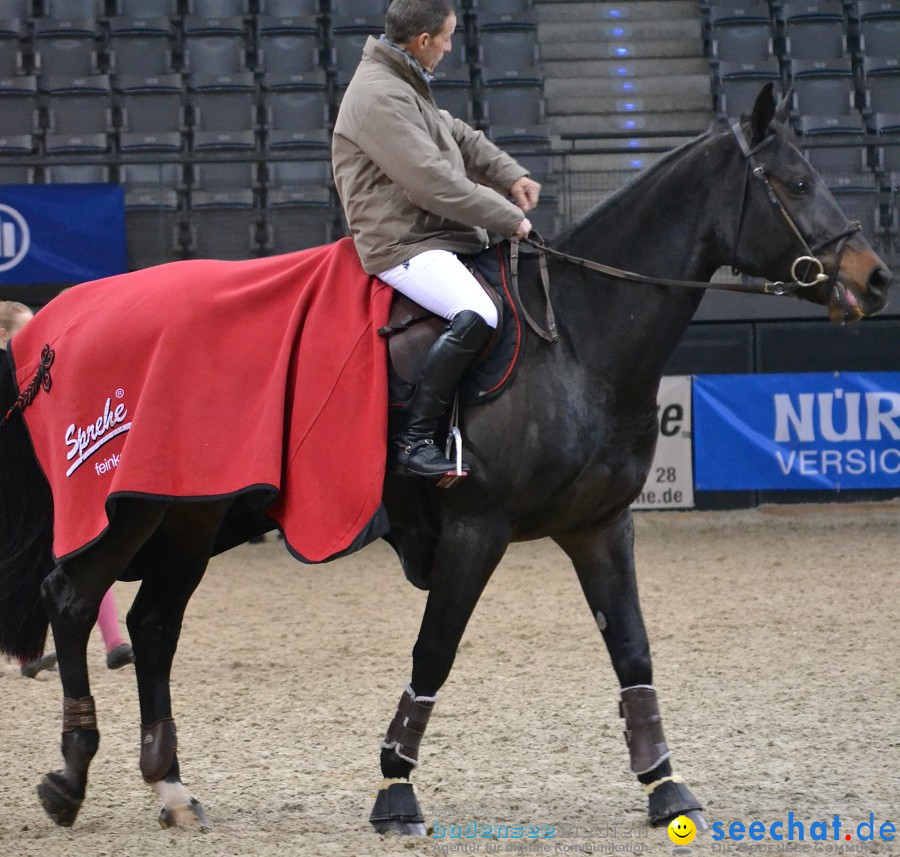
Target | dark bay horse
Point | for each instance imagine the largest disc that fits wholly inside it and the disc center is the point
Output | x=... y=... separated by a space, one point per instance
x=561 y=454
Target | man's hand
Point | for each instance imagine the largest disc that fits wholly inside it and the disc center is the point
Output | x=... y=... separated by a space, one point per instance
x=524 y=229
x=525 y=192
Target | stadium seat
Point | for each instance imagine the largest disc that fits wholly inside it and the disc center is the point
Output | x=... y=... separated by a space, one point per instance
x=879 y=28
x=347 y=52
x=208 y=58
x=509 y=49
x=514 y=113
x=737 y=85
x=151 y=114
x=839 y=160
x=76 y=174
x=296 y=119
x=881 y=77
x=223 y=176
x=861 y=200
x=15 y=10
x=298 y=182
x=851 y=124
x=291 y=227
x=289 y=60
x=153 y=176
x=823 y=86
x=288 y=16
x=358 y=16
x=73 y=10
x=146 y=9
x=813 y=30
x=741 y=34
x=69 y=56
x=224 y=229
x=153 y=225
x=11 y=57
x=78 y=114
x=217 y=8
x=223 y=120
x=139 y=54
x=21 y=120
x=887 y=152
x=503 y=14
x=455 y=98
x=16 y=174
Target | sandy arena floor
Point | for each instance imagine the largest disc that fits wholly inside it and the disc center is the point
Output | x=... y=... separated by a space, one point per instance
x=776 y=642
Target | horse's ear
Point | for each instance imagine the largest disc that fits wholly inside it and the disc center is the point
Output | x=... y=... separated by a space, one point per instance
x=763 y=114
x=783 y=110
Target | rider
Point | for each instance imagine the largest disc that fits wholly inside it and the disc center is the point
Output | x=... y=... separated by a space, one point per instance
x=402 y=169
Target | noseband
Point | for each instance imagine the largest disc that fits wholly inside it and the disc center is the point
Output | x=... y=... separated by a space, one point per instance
x=809 y=257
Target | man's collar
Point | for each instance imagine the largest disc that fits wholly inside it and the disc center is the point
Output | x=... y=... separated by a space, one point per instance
x=414 y=64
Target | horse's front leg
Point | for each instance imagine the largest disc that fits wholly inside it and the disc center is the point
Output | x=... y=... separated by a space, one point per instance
x=466 y=556
x=72 y=594
x=171 y=566
x=604 y=560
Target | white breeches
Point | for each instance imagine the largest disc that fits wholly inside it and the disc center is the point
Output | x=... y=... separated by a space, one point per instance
x=439 y=282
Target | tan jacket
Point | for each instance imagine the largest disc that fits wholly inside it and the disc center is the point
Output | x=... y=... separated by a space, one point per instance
x=402 y=168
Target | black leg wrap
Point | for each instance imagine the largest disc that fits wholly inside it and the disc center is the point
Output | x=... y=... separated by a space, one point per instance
x=643 y=728
x=396 y=802
x=158 y=745
x=405 y=733
x=668 y=800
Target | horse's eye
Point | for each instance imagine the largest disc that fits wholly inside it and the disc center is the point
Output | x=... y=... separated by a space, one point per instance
x=798 y=187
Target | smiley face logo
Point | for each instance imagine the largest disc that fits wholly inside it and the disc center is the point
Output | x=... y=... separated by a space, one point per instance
x=682 y=830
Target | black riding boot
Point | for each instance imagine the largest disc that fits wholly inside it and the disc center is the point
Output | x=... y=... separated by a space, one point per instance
x=449 y=358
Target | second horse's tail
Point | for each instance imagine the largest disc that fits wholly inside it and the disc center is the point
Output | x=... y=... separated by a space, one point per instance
x=26 y=532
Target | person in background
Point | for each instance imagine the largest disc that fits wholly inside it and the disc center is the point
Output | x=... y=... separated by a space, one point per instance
x=13 y=317
x=419 y=186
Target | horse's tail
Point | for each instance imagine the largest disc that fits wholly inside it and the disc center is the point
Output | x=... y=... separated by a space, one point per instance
x=26 y=532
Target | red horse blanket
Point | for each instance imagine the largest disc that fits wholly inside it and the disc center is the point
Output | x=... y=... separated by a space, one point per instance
x=205 y=379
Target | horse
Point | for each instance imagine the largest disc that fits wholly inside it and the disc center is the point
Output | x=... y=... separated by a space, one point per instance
x=561 y=454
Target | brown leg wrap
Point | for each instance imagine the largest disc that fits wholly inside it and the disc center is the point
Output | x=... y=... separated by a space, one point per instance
x=158 y=745
x=404 y=735
x=643 y=728
x=79 y=714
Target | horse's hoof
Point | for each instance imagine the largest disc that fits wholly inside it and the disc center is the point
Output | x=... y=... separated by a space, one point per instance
x=187 y=815
x=399 y=828
x=671 y=799
x=57 y=800
x=397 y=811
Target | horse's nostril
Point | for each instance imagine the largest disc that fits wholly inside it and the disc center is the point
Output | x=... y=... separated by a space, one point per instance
x=879 y=280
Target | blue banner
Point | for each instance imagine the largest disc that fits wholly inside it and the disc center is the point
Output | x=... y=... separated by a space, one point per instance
x=833 y=431
x=61 y=233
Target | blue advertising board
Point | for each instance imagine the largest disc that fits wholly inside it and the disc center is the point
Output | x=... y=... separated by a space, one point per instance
x=832 y=431
x=61 y=233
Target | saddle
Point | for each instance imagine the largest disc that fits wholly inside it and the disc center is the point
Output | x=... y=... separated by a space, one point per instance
x=412 y=330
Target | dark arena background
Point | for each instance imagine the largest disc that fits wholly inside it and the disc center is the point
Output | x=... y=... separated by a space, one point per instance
x=771 y=608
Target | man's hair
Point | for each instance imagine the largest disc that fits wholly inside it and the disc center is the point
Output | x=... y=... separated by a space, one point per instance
x=407 y=19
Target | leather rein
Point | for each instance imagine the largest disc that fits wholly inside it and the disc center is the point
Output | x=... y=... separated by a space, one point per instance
x=813 y=265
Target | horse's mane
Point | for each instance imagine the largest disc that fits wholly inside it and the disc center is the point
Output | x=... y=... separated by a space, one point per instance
x=640 y=182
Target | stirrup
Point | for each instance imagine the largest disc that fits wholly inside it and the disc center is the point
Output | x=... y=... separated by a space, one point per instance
x=454 y=439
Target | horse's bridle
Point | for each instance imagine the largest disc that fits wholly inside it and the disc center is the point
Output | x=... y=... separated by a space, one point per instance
x=808 y=257
x=778 y=287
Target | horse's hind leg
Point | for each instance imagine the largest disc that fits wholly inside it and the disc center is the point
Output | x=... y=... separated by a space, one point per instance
x=466 y=556
x=72 y=594
x=604 y=560
x=171 y=566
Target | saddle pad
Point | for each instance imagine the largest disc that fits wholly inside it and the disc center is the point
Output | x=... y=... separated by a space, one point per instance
x=204 y=379
x=489 y=378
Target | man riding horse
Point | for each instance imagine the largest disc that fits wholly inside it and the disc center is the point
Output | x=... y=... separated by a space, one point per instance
x=402 y=169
